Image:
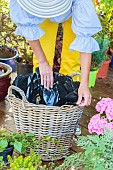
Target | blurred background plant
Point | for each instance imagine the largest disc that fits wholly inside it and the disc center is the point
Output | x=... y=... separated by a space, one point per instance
x=104 y=9
x=99 y=56
x=8 y=37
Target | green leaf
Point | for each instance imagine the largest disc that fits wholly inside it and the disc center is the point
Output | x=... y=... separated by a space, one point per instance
x=18 y=146
x=30 y=134
x=3 y=144
x=47 y=137
x=53 y=140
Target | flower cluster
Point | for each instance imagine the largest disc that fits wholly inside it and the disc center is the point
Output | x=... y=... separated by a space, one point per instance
x=104 y=119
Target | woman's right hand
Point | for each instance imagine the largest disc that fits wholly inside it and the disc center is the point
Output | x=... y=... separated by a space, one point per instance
x=46 y=74
x=46 y=71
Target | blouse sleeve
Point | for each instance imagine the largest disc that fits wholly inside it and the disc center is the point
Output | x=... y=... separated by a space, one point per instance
x=85 y=24
x=27 y=24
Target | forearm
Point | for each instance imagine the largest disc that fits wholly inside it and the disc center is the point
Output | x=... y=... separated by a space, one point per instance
x=38 y=51
x=85 y=59
x=45 y=69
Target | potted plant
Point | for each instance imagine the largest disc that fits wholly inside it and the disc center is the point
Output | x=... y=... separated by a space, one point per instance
x=105 y=11
x=8 y=39
x=13 y=46
x=15 y=141
x=5 y=71
x=103 y=70
x=25 y=60
x=97 y=58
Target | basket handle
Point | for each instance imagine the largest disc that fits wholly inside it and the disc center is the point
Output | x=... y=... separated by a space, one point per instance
x=75 y=74
x=21 y=92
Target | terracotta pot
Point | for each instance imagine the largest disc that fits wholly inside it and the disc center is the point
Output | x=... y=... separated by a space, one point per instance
x=103 y=70
x=4 y=80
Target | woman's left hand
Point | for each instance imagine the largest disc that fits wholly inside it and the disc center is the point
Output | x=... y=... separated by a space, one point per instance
x=84 y=95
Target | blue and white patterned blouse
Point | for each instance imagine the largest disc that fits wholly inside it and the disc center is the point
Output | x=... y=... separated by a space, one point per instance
x=85 y=24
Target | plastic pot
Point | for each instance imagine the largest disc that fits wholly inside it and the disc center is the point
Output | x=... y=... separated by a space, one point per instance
x=4 y=80
x=92 y=78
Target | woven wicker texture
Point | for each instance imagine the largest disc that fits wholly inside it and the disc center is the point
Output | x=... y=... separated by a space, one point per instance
x=57 y=122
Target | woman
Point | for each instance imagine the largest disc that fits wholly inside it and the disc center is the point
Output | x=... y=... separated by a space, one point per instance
x=29 y=14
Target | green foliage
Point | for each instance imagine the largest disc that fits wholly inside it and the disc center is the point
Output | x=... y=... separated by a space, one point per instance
x=99 y=56
x=31 y=162
x=97 y=155
x=105 y=5
x=20 y=141
x=1 y=163
x=105 y=11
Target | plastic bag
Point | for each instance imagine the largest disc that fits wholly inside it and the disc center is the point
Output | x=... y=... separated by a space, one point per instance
x=64 y=90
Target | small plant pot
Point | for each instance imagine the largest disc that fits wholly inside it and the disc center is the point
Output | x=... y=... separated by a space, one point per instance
x=92 y=78
x=8 y=55
x=4 y=79
x=23 y=68
x=103 y=70
x=6 y=152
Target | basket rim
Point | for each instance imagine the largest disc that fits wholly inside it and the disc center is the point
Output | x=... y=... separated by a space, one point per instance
x=24 y=100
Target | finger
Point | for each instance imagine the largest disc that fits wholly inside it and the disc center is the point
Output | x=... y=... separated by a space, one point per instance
x=42 y=80
x=90 y=100
x=48 y=81
x=51 y=80
x=45 y=82
x=79 y=99
x=86 y=101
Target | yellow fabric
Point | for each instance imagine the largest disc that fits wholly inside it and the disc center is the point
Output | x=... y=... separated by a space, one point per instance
x=70 y=61
x=47 y=41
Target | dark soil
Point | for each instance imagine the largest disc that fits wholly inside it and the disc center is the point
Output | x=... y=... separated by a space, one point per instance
x=6 y=52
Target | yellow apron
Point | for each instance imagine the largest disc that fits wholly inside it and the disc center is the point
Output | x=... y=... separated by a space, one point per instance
x=70 y=61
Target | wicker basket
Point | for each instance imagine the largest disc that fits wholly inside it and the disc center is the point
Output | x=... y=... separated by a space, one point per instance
x=57 y=122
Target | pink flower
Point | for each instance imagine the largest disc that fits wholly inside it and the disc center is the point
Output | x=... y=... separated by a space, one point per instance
x=103 y=104
x=109 y=125
x=97 y=123
x=109 y=111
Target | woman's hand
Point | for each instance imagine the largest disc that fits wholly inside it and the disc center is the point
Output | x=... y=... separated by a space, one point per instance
x=46 y=71
x=46 y=74
x=84 y=95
